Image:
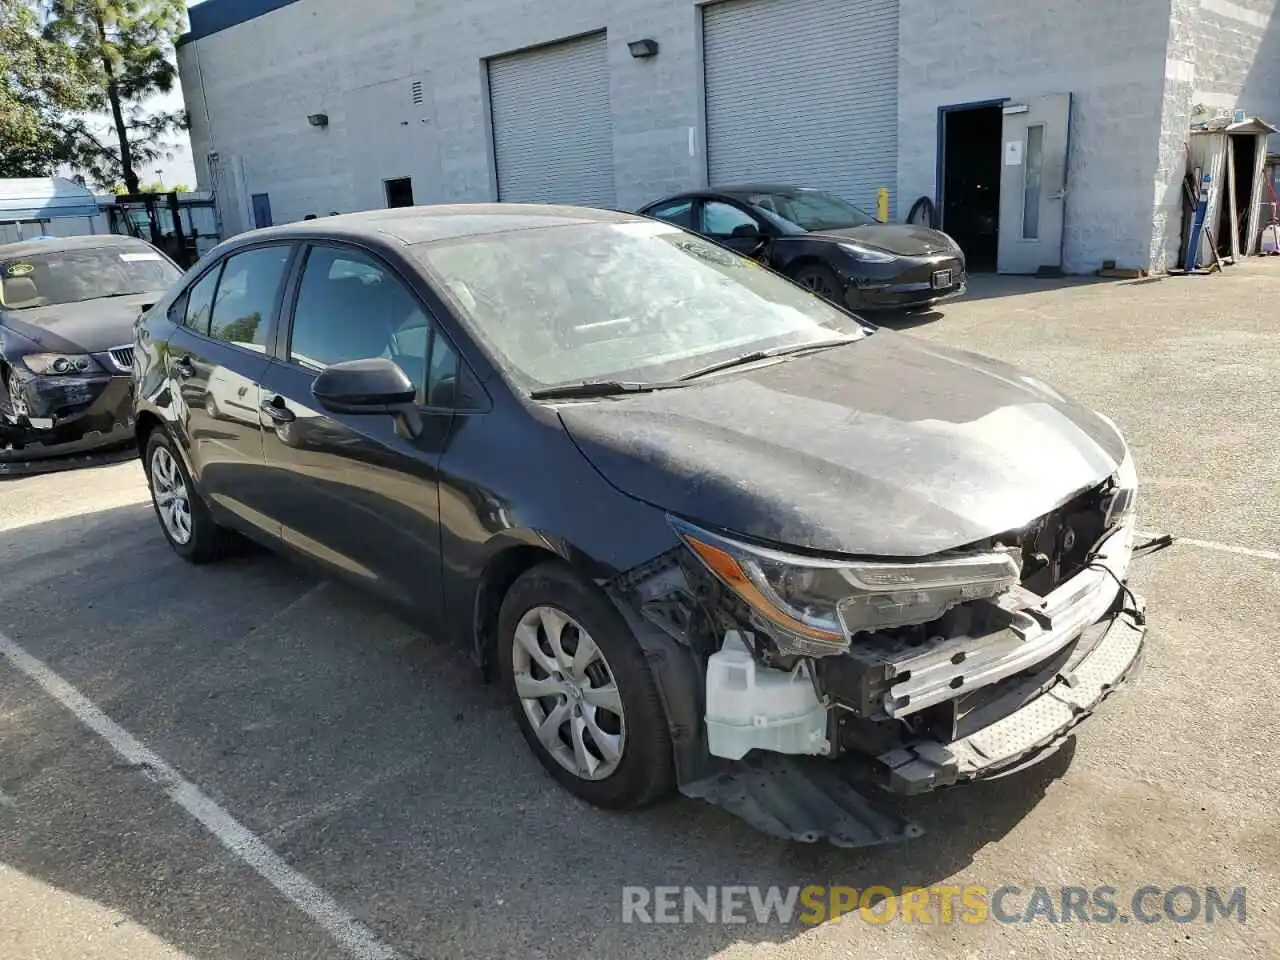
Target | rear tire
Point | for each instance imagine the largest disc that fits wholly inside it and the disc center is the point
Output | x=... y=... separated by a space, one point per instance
x=820 y=279
x=184 y=516
x=565 y=653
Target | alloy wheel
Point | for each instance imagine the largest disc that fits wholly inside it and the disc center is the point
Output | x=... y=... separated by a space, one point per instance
x=818 y=284
x=169 y=490
x=568 y=693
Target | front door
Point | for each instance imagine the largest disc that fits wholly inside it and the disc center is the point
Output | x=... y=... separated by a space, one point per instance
x=351 y=490
x=1033 y=183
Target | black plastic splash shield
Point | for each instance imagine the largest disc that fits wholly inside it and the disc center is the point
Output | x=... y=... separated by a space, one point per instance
x=804 y=799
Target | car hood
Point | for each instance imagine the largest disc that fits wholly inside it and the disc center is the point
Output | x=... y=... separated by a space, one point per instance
x=884 y=447
x=89 y=326
x=904 y=239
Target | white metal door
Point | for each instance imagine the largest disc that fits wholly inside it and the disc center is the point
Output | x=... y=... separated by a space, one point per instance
x=1033 y=183
x=803 y=92
x=552 y=132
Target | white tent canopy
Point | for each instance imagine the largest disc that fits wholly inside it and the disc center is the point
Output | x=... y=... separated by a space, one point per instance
x=44 y=198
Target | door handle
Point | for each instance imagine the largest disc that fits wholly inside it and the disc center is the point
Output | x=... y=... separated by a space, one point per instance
x=277 y=411
x=185 y=368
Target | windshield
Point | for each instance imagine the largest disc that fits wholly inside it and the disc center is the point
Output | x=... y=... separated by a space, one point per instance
x=639 y=302
x=86 y=273
x=813 y=209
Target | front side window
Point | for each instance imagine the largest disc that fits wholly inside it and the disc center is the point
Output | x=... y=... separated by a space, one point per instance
x=83 y=273
x=246 y=297
x=722 y=219
x=629 y=301
x=351 y=307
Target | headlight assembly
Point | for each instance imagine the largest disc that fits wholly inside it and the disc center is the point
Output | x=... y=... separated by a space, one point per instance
x=868 y=254
x=56 y=364
x=1122 y=505
x=813 y=606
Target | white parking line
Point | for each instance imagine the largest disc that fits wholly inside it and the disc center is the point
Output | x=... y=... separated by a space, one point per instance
x=1214 y=545
x=354 y=937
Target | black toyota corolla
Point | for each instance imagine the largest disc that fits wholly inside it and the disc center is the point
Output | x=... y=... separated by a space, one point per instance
x=825 y=244
x=67 y=310
x=704 y=527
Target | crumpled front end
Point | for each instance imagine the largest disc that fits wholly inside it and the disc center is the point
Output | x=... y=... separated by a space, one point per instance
x=53 y=416
x=909 y=675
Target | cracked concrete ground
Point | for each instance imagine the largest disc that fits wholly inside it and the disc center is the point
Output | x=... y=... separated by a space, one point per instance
x=372 y=761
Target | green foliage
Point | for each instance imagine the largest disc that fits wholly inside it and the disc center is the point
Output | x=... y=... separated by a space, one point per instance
x=156 y=187
x=40 y=83
x=124 y=51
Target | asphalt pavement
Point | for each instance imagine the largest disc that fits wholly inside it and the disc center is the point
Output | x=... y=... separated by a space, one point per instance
x=381 y=786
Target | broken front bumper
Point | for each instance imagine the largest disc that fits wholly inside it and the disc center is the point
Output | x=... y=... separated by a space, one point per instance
x=1107 y=656
x=69 y=415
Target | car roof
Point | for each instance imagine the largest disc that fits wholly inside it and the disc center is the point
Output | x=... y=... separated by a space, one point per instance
x=739 y=191
x=745 y=188
x=425 y=224
x=26 y=248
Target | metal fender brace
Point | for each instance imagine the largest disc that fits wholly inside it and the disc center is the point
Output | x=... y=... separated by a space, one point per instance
x=792 y=798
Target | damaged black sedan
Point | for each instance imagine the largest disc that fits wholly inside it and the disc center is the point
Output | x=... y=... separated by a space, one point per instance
x=67 y=309
x=708 y=530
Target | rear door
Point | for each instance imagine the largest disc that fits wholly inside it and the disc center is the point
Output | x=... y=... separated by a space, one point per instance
x=348 y=490
x=215 y=359
x=1033 y=183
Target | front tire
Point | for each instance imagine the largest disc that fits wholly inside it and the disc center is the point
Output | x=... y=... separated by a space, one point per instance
x=184 y=517
x=820 y=279
x=581 y=691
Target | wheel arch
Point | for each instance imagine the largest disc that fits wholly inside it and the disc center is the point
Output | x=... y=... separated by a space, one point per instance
x=803 y=260
x=144 y=423
x=506 y=563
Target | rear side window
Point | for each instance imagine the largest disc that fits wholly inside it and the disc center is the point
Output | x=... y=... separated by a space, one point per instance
x=246 y=296
x=680 y=213
x=200 y=302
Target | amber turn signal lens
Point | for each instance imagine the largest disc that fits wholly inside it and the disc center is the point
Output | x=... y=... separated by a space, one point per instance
x=726 y=567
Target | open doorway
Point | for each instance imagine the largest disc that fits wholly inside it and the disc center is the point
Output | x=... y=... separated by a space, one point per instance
x=1244 y=162
x=1242 y=159
x=969 y=180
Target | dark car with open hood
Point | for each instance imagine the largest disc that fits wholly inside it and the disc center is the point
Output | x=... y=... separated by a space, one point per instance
x=826 y=244
x=707 y=530
x=67 y=310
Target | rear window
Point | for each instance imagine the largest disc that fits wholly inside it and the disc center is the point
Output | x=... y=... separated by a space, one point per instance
x=85 y=273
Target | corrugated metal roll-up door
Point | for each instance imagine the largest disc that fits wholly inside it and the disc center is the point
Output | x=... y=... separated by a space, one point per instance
x=552 y=133
x=803 y=92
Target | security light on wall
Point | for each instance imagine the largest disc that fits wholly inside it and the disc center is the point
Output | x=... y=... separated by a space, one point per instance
x=318 y=119
x=643 y=48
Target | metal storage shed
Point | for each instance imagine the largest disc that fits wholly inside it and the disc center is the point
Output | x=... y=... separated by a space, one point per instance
x=46 y=206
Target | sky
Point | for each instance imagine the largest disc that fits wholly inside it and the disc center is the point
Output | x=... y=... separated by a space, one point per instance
x=175 y=169
x=179 y=169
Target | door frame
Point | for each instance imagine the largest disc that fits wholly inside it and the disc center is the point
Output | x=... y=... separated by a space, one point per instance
x=939 y=165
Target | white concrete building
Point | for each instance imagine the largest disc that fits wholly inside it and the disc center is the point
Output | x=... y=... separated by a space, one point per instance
x=1064 y=122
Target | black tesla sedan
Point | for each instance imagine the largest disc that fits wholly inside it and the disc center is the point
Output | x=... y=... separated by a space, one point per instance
x=697 y=520
x=67 y=309
x=835 y=249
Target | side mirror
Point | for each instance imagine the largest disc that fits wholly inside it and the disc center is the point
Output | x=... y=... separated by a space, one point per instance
x=746 y=231
x=374 y=385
